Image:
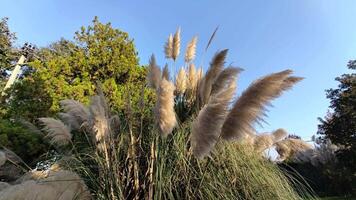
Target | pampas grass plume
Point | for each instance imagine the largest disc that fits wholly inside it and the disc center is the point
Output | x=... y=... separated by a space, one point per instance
x=164 y=110
x=57 y=131
x=191 y=49
x=181 y=81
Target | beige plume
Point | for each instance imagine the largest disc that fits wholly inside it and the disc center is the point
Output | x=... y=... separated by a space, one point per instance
x=191 y=49
x=154 y=73
x=75 y=113
x=176 y=45
x=164 y=109
x=227 y=75
x=168 y=47
x=206 y=127
x=181 y=81
x=251 y=106
x=58 y=132
x=165 y=73
x=216 y=66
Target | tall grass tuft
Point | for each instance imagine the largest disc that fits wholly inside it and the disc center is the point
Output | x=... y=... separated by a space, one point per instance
x=122 y=157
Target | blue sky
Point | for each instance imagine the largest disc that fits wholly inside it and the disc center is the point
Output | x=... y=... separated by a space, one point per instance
x=315 y=38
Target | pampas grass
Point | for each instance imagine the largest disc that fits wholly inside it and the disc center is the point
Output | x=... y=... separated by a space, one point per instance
x=216 y=66
x=57 y=131
x=176 y=45
x=75 y=113
x=291 y=148
x=154 y=73
x=181 y=81
x=251 y=105
x=190 y=51
x=164 y=110
x=165 y=73
x=54 y=186
x=168 y=47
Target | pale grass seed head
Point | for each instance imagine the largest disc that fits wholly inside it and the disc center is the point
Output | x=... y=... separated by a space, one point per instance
x=165 y=73
x=154 y=73
x=75 y=113
x=251 y=105
x=168 y=47
x=176 y=45
x=216 y=66
x=57 y=131
x=181 y=81
x=165 y=115
x=191 y=49
x=206 y=127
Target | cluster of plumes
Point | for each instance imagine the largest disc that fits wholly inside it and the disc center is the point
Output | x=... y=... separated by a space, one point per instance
x=52 y=184
x=165 y=115
x=186 y=82
x=238 y=122
x=264 y=141
x=299 y=151
x=213 y=94
x=94 y=119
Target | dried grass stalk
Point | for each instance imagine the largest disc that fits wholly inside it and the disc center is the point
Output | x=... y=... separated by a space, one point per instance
x=164 y=109
x=57 y=131
x=154 y=73
x=216 y=66
x=168 y=47
x=207 y=126
x=181 y=81
x=165 y=73
x=251 y=106
x=191 y=49
x=176 y=45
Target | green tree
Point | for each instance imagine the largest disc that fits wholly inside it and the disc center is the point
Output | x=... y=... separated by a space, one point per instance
x=99 y=53
x=7 y=39
x=340 y=124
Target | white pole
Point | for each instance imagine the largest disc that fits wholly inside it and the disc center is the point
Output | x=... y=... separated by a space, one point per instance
x=14 y=74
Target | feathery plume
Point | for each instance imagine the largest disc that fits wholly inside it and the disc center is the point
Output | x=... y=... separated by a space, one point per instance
x=164 y=109
x=207 y=81
x=168 y=47
x=294 y=149
x=30 y=126
x=191 y=48
x=99 y=120
x=154 y=73
x=279 y=134
x=206 y=127
x=57 y=131
x=176 y=45
x=181 y=81
x=200 y=74
x=251 y=106
x=227 y=75
x=165 y=73
x=75 y=113
x=262 y=142
x=192 y=77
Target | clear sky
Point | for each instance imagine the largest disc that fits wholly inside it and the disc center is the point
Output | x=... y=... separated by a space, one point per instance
x=315 y=38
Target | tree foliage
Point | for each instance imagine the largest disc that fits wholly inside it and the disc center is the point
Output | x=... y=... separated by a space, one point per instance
x=340 y=125
x=99 y=53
